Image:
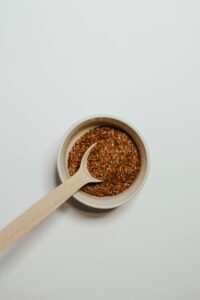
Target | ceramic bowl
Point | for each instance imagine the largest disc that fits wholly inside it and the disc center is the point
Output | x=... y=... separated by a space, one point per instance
x=75 y=132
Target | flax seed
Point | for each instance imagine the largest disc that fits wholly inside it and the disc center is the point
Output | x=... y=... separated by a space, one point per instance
x=114 y=159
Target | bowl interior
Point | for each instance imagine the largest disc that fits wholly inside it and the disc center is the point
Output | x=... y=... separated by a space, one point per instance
x=75 y=133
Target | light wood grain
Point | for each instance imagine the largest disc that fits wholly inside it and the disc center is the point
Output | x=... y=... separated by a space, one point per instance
x=46 y=205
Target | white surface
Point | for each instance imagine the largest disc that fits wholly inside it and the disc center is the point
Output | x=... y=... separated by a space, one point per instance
x=60 y=61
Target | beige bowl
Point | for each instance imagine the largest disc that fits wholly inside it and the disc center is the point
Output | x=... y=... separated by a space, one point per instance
x=76 y=131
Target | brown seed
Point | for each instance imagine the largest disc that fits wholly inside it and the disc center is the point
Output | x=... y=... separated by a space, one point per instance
x=114 y=159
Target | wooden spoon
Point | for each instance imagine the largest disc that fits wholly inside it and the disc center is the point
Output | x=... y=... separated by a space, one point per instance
x=46 y=205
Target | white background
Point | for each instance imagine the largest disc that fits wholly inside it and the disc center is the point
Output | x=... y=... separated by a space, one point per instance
x=64 y=60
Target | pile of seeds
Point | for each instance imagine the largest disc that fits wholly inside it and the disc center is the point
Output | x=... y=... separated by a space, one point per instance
x=114 y=159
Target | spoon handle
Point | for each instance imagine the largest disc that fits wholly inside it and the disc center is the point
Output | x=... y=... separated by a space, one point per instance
x=40 y=210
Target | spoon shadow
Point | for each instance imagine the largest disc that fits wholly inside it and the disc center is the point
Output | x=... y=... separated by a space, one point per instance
x=14 y=253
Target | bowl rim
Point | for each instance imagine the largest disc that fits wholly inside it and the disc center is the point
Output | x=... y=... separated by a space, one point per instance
x=96 y=116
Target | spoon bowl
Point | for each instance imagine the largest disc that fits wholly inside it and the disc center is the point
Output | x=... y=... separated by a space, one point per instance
x=83 y=166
